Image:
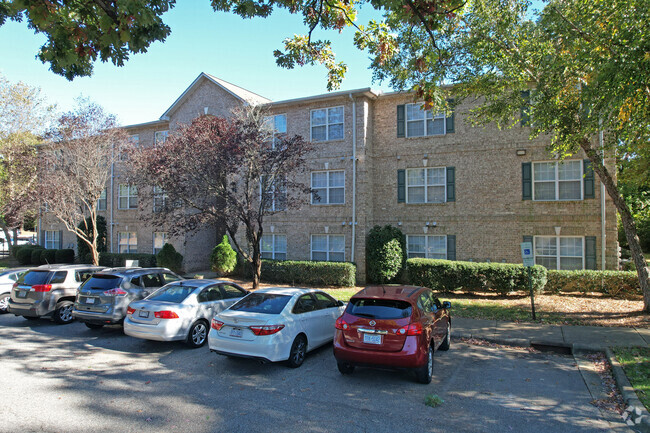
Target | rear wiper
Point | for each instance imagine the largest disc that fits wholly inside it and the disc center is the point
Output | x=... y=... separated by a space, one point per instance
x=370 y=316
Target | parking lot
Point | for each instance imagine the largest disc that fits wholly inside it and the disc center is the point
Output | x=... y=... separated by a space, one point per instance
x=72 y=379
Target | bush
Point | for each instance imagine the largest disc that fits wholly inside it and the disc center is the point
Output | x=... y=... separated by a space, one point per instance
x=48 y=257
x=24 y=254
x=385 y=254
x=168 y=257
x=612 y=283
x=36 y=257
x=223 y=258
x=83 y=250
x=117 y=260
x=65 y=255
x=309 y=273
x=448 y=276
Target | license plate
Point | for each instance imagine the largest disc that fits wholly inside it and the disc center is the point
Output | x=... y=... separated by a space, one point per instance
x=143 y=314
x=90 y=300
x=236 y=332
x=372 y=338
x=21 y=294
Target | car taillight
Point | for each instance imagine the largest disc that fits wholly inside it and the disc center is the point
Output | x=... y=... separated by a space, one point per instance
x=412 y=329
x=15 y=285
x=165 y=315
x=266 y=329
x=216 y=324
x=341 y=324
x=130 y=310
x=42 y=287
x=115 y=292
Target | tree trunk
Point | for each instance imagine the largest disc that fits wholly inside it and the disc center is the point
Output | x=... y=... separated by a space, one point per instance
x=626 y=218
x=95 y=255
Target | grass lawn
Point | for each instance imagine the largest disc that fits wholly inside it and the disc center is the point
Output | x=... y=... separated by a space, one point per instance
x=636 y=363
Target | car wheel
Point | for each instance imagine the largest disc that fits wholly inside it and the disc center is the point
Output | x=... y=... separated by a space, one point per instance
x=298 y=352
x=63 y=313
x=345 y=368
x=424 y=374
x=447 y=341
x=94 y=325
x=4 y=303
x=198 y=334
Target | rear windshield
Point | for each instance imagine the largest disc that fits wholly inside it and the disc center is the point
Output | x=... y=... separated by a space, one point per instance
x=35 y=277
x=102 y=282
x=173 y=293
x=267 y=303
x=379 y=308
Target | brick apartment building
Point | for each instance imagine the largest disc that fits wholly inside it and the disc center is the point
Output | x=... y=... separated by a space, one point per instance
x=456 y=191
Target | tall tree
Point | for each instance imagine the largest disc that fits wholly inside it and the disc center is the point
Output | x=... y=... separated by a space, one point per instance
x=75 y=167
x=224 y=171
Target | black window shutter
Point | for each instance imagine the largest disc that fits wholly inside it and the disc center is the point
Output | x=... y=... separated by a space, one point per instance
x=525 y=116
x=526 y=181
x=590 y=252
x=60 y=239
x=401 y=121
x=589 y=180
x=451 y=127
x=451 y=247
x=451 y=184
x=42 y=240
x=401 y=186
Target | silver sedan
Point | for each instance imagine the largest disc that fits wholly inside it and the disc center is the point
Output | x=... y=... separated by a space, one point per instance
x=181 y=310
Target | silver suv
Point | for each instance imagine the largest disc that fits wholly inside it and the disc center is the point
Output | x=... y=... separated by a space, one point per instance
x=104 y=298
x=49 y=291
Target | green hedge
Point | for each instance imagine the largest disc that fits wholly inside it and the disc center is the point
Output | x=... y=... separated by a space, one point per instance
x=23 y=254
x=169 y=258
x=613 y=283
x=117 y=260
x=48 y=257
x=65 y=255
x=448 y=276
x=309 y=273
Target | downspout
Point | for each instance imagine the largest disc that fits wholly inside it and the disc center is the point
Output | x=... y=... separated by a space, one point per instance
x=603 y=233
x=354 y=176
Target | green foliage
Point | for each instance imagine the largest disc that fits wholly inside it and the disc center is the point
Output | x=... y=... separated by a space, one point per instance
x=169 y=258
x=114 y=260
x=636 y=363
x=86 y=226
x=385 y=254
x=618 y=284
x=65 y=255
x=432 y=400
x=24 y=254
x=309 y=273
x=223 y=259
x=36 y=257
x=48 y=257
x=449 y=276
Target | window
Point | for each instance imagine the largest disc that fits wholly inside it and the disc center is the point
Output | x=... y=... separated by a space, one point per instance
x=169 y=278
x=426 y=185
x=159 y=199
x=230 y=291
x=159 y=240
x=325 y=301
x=421 y=123
x=151 y=280
x=274 y=247
x=128 y=197
x=557 y=180
x=160 y=137
x=59 y=277
x=135 y=140
x=304 y=304
x=210 y=294
x=560 y=252
x=278 y=124
x=327 y=124
x=427 y=246
x=52 y=239
x=127 y=242
x=275 y=195
x=101 y=203
x=328 y=187
x=329 y=248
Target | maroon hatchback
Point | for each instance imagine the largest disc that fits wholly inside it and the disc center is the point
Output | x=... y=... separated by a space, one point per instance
x=392 y=326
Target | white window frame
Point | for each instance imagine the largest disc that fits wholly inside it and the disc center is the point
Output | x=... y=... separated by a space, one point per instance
x=274 y=244
x=103 y=197
x=557 y=249
x=52 y=239
x=426 y=245
x=159 y=194
x=326 y=124
x=276 y=193
x=325 y=201
x=557 y=180
x=426 y=186
x=153 y=241
x=128 y=245
x=273 y=124
x=441 y=115
x=129 y=197
x=163 y=133
x=328 y=249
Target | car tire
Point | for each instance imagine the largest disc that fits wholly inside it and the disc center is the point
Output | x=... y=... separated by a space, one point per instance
x=63 y=313
x=447 y=341
x=94 y=325
x=345 y=368
x=298 y=352
x=198 y=334
x=4 y=303
x=424 y=374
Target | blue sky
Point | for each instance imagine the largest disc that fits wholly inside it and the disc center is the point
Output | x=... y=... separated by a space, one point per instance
x=227 y=46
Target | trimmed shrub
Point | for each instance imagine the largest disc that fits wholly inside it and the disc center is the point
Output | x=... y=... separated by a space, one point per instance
x=385 y=254
x=117 y=260
x=309 y=273
x=223 y=258
x=48 y=257
x=83 y=250
x=24 y=254
x=618 y=284
x=169 y=258
x=36 y=256
x=65 y=255
x=449 y=276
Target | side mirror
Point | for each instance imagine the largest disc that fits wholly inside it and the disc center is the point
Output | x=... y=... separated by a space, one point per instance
x=340 y=303
x=446 y=305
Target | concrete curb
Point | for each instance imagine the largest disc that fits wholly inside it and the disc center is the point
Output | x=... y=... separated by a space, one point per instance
x=637 y=414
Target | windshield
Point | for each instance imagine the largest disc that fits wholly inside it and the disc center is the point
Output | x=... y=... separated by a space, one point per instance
x=174 y=293
x=101 y=282
x=266 y=303
x=379 y=308
x=34 y=277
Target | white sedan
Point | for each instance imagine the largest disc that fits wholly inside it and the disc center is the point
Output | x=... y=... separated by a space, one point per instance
x=181 y=310
x=276 y=324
